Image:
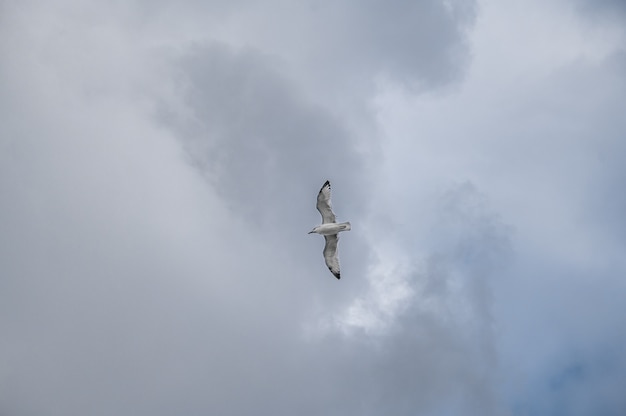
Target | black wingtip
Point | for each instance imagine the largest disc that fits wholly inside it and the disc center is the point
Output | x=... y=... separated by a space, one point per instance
x=337 y=275
x=326 y=183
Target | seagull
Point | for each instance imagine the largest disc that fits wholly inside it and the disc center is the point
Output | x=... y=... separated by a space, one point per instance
x=329 y=229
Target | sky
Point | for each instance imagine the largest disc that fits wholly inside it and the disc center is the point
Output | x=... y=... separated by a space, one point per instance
x=159 y=163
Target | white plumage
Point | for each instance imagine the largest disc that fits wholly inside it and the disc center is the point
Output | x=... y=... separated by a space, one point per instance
x=329 y=229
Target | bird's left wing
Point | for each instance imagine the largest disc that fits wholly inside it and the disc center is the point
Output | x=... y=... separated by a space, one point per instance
x=330 y=254
x=324 y=205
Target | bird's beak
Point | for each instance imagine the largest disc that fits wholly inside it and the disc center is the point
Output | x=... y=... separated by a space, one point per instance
x=310 y=232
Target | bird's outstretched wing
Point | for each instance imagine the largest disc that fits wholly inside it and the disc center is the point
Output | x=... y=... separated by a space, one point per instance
x=324 y=205
x=330 y=254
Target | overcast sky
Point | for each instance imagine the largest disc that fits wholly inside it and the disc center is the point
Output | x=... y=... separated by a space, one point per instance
x=159 y=163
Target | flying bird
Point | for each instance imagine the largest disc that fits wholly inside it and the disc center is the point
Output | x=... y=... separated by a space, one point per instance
x=329 y=229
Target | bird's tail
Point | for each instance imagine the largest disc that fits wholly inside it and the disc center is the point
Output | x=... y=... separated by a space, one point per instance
x=345 y=226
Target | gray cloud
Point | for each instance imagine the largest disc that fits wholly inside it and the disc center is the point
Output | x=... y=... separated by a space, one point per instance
x=439 y=340
x=602 y=6
x=148 y=152
x=129 y=285
x=336 y=50
x=257 y=140
x=416 y=43
x=266 y=150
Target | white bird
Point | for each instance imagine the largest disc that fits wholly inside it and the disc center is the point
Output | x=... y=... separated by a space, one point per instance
x=329 y=229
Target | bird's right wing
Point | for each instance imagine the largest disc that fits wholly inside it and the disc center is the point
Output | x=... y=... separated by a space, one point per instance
x=324 y=205
x=330 y=254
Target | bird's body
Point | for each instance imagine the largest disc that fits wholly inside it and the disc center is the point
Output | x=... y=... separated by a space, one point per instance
x=329 y=229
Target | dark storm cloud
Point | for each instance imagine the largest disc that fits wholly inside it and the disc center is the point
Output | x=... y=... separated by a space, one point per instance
x=263 y=147
x=267 y=151
x=409 y=41
x=262 y=137
x=340 y=48
x=415 y=43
